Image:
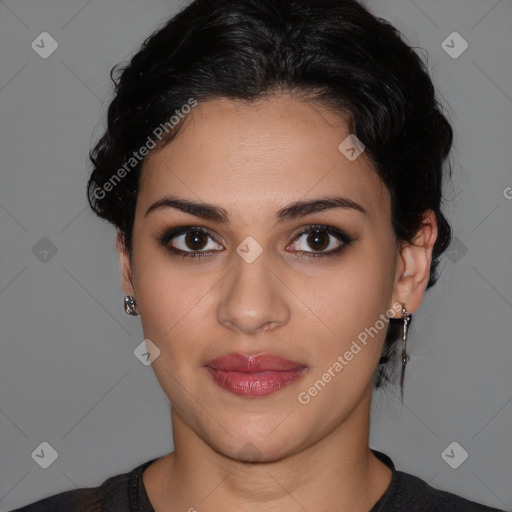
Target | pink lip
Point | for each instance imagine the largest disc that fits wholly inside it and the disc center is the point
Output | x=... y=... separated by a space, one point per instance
x=257 y=375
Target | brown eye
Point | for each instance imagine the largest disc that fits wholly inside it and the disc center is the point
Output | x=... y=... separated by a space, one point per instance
x=195 y=240
x=189 y=241
x=321 y=241
x=318 y=240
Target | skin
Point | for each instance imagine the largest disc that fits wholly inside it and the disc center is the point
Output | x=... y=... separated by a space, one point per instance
x=252 y=160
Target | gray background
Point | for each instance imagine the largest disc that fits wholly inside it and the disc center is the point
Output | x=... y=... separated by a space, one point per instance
x=68 y=375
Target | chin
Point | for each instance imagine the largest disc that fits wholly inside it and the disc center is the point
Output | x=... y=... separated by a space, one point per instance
x=264 y=443
x=254 y=451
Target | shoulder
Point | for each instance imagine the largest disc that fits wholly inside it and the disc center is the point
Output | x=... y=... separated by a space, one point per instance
x=409 y=493
x=116 y=494
x=414 y=494
x=87 y=499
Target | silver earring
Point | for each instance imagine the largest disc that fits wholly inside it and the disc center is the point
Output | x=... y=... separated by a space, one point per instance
x=405 y=357
x=130 y=305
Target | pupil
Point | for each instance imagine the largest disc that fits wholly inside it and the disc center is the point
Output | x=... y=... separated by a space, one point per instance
x=316 y=239
x=195 y=240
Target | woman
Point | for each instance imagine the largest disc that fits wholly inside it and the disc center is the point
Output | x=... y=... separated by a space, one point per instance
x=274 y=170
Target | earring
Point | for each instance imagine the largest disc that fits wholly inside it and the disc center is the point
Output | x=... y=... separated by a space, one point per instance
x=130 y=305
x=405 y=356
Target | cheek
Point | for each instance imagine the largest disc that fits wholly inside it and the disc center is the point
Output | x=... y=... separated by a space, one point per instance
x=173 y=313
x=171 y=304
x=352 y=296
x=348 y=304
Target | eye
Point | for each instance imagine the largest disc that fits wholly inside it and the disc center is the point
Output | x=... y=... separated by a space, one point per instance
x=324 y=240
x=189 y=242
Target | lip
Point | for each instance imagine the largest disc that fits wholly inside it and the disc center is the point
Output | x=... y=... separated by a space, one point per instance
x=254 y=375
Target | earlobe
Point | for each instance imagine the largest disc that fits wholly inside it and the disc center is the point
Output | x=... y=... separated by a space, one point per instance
x=415 y=268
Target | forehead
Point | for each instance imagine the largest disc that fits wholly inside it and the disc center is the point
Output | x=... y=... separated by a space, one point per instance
x=266 y=153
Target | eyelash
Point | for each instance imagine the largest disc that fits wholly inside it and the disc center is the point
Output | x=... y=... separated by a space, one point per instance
x=165 y=239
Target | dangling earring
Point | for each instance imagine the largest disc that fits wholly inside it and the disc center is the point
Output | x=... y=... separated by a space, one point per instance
x=405 y=357
x=130 y=305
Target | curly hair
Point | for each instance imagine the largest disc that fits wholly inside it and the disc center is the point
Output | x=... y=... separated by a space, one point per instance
x=334 y=51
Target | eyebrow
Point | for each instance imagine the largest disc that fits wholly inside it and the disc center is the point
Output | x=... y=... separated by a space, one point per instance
x=290 y=212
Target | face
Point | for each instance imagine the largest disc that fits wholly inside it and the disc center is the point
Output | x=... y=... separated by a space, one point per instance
x=251 y=282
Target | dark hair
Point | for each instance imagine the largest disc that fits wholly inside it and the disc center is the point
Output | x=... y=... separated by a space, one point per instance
x=333 y=51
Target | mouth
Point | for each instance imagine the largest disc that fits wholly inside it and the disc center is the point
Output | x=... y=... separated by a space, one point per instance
x=254 y=375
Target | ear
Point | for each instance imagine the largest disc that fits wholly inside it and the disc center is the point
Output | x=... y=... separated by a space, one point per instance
x=413 y=270
x=124 y=265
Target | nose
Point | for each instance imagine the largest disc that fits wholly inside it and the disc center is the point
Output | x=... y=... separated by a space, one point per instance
x=253 y=298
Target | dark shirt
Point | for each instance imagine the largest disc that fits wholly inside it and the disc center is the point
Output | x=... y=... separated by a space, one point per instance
x=126 y=493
